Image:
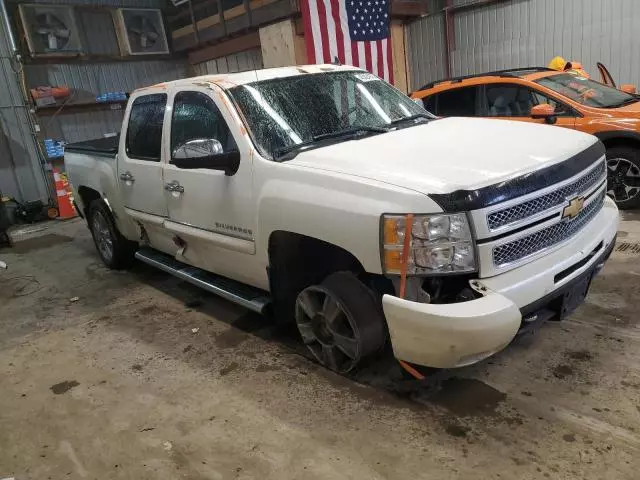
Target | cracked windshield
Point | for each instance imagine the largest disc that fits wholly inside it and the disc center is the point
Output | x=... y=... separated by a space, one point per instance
x=286 y=115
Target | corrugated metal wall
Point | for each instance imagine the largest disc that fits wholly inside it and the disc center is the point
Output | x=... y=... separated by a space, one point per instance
x=520 y=33
x=238 y=62
x=87 y=80
x=21 y=172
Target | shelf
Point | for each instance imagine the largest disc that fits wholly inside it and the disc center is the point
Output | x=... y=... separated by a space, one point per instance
x=56 y=58
x=80 y=107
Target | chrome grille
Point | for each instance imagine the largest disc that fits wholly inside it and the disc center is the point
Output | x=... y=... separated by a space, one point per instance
x=542 y=239
x=526 y=209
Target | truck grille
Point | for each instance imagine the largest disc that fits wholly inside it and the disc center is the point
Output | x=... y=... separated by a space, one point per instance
x=509 y=215
x=523 y=247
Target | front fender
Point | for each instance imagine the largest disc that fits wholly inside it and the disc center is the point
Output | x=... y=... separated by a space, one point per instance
x=337 y=209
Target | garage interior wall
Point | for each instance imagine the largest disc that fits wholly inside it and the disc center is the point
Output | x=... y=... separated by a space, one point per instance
x=520 y=33
x=86 y=78
x=21 y=171
x=237 y=62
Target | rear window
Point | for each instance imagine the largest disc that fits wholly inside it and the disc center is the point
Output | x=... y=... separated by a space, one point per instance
x=144 y=132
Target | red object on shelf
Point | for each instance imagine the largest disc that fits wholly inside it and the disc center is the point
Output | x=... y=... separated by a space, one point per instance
x=55 y=92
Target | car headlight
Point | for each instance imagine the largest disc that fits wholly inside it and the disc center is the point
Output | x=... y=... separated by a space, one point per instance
x=438 y=244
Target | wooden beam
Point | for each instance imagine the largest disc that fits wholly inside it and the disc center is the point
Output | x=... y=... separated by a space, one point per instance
x=408 y=8
x=398 y=54
x=228 y=47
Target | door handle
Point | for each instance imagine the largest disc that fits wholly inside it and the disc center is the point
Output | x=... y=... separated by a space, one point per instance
x=174 y=187
x=127 y=177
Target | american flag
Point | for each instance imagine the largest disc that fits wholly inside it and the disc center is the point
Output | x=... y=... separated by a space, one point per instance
x=354 y=31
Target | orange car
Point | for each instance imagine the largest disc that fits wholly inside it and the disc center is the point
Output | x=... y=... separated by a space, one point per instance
x=557 y=98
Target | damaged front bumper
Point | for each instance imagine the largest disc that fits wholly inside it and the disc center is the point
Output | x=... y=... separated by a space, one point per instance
x=459 y=334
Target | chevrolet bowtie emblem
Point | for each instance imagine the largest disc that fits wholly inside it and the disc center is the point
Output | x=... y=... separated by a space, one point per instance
x=573 y=209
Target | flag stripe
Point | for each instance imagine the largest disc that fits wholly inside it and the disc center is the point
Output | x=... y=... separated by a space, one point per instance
x=382 y=71
x=332 y=31
x=361 y=55
x=324 y=34
x=374 y=57
x=389 y=66
x=342 y=31
x=385 y=61
x=315 y=32
x=367 y=55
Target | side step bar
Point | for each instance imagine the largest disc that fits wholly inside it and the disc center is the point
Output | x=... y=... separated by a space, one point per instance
x=246 y=296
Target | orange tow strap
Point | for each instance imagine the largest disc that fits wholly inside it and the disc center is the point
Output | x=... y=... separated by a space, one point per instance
x=403 y=285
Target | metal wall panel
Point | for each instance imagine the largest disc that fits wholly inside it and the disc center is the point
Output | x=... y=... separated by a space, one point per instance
x=87 y=80
x=21 y=172
x=426 y=50
x=238 y=62
x=519 y=33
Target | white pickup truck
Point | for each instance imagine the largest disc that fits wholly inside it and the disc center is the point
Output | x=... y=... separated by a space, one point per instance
x=325 y=193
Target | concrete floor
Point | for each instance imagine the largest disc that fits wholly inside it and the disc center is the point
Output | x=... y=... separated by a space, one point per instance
x=144 y=377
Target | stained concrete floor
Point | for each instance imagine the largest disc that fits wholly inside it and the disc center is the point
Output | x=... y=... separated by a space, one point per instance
x=136 y=375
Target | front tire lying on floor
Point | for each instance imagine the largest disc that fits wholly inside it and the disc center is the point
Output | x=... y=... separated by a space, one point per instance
x=623 y=176
x=116 y=251
x=340 y=321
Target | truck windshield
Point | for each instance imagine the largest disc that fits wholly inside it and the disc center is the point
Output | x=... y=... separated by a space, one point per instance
x=586 y=92
x=316 y=109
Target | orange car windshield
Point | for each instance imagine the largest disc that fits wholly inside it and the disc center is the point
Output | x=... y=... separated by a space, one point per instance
x=586 y=92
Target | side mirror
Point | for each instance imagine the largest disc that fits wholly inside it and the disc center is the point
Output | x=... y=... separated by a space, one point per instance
x=545 y=111
x=205 y=153
x=628 y=88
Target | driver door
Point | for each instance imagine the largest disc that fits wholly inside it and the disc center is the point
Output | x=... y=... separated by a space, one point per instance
x=211 y=212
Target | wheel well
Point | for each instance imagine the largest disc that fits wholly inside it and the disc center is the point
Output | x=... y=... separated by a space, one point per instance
x=297 y=261
x=87 y=195
x=621 y=142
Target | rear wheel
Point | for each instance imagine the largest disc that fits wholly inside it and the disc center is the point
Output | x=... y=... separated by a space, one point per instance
x=116 y=251
x=623 y=176
x=340 y=321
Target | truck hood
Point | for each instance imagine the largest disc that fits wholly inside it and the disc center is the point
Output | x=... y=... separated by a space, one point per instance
x=449 y=154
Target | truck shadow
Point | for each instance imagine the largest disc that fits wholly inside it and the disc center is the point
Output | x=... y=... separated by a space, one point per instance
x=449 y=390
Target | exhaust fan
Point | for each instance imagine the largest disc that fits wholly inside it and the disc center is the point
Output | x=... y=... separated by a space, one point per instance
x=50 y=29
x=141 y=31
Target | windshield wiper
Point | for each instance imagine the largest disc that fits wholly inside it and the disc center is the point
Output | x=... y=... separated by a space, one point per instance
x=411 y=118
x=351 y=133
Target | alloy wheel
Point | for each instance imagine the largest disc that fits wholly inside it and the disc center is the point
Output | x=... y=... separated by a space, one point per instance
x=623 y=179
x=328 y=329
x=102 y=235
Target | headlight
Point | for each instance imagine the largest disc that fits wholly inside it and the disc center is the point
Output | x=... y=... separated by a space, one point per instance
x=439 y=243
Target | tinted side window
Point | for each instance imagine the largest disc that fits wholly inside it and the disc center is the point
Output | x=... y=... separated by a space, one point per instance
x=196 y=116
x=459 y=102
x=144 y=132
x=430 y=103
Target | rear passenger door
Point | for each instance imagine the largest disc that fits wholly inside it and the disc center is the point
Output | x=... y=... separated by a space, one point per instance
x=514 y=102
x=139 y=159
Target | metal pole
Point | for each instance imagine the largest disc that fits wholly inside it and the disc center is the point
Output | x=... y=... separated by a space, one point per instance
x=7 y=26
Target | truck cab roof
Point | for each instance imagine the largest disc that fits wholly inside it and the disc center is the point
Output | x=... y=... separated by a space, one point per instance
x=230 y=80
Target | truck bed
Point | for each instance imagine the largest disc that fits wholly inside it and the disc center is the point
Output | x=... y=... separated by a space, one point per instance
x=100 y=146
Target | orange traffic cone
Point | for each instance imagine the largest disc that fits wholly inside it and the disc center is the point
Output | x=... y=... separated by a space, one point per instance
x=65 y=207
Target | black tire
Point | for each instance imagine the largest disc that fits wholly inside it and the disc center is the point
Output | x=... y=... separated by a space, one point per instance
x=354 y=334
x=103 y=229
x=623 y=176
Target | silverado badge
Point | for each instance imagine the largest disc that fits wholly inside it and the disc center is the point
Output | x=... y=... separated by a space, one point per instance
x=573 y=209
